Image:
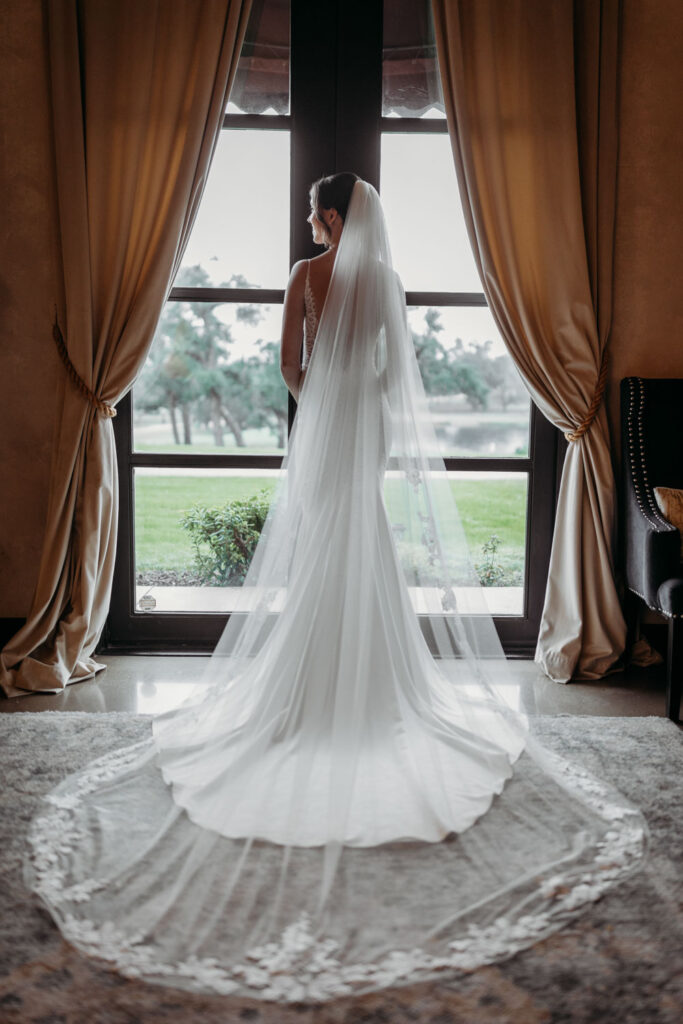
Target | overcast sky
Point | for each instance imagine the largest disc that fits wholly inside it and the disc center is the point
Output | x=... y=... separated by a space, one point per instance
x=243 y=225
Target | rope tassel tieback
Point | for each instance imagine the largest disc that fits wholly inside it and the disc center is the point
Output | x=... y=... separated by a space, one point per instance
x=102 y=407
x=592 y=411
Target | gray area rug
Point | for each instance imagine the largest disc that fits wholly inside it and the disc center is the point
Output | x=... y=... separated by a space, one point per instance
x=621 y=961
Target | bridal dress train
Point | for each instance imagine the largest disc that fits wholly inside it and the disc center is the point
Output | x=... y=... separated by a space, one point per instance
x=349 y=799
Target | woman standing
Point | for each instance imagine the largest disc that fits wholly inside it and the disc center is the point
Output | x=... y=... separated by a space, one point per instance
x=348 y=801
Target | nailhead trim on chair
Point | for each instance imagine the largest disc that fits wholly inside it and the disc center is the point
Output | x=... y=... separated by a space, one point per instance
x=648 y=506
x=654 y=608
x=636 y=446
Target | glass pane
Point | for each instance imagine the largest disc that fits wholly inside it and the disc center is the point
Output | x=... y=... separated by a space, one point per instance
x=176 y=513
x=240 y=238
x=493 y=511
x=478 y=402
x=212 y=382
x=411 y=86
x=429 y=243
x=261 y=84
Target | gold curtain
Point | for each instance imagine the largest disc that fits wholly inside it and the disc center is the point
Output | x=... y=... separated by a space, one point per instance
x=530 y=89
x=139 y=89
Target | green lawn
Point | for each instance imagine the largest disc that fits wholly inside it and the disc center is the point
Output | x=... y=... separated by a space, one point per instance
x=156 y=438
x=160 y=501
x=493 y=506
x=486 y=507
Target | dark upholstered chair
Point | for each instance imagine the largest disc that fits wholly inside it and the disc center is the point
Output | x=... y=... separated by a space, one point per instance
x=652 y=456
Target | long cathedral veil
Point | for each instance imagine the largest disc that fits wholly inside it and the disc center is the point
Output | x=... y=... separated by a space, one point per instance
x=348 y=799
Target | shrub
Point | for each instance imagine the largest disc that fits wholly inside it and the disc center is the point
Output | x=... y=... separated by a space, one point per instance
x=225 y=538
x=491 y=573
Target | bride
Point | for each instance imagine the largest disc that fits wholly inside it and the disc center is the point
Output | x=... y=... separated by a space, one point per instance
x=348 y=800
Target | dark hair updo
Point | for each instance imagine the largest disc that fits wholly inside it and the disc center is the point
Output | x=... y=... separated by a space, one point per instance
x=332 y=193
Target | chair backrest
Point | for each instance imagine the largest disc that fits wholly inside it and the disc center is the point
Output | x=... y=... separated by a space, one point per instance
x=652 y=456
x=652 y=427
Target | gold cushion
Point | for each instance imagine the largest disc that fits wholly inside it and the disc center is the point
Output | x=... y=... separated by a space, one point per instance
x=670 y=502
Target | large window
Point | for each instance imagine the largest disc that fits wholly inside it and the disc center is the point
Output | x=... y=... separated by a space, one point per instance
x=202 y=436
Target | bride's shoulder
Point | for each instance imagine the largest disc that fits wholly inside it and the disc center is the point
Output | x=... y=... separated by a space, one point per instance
x=322 y=260
x=297 y=274
x=299 y=268
x=296 y=286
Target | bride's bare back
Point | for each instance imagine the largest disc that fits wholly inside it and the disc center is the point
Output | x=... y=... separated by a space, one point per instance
x=319 y=273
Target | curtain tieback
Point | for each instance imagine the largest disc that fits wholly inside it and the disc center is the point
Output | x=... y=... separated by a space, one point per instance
x=102 y=407
x=591 y=412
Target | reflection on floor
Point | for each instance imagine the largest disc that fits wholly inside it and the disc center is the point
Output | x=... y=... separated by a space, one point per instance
x=149 y=684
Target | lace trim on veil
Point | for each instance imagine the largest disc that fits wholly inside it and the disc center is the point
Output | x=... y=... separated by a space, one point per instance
x=301 y=966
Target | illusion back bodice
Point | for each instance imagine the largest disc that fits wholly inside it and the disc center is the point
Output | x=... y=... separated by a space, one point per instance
x=311 y=318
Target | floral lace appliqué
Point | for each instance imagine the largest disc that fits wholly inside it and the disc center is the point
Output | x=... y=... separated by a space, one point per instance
x=301 y=965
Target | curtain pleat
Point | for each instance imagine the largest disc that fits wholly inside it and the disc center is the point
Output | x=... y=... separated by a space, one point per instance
x=139 y=88
x=530 y=89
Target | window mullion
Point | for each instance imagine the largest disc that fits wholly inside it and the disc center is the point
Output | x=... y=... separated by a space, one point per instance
x=421 y=125
x=359 y=88
x=446 y=299
x=268 y=296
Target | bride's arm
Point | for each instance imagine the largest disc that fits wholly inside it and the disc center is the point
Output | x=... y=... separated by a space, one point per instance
x=292 y=330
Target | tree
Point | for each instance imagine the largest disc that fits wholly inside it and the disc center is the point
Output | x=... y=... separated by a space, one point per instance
x=496 y=373
x=471 y=367
x=190 y=364
x=270 y=397
x=208 y=349
x=166 y=378
x=469 y=382
x=510 y=387
x=449 y=371
x=190 y=369
x=433 y=358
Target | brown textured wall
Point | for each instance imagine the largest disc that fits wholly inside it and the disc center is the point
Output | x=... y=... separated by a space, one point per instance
x=647 y=337
x=647 y=331
x=29 y=367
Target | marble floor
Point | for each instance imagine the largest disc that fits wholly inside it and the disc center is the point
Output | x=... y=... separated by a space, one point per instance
x=149 y=684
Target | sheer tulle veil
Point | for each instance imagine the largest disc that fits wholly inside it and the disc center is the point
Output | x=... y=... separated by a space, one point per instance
x=349 y=799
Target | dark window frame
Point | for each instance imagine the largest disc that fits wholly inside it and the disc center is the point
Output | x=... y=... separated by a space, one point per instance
x=335 y=124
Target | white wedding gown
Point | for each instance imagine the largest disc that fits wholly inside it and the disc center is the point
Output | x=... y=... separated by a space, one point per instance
x=346 y=802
